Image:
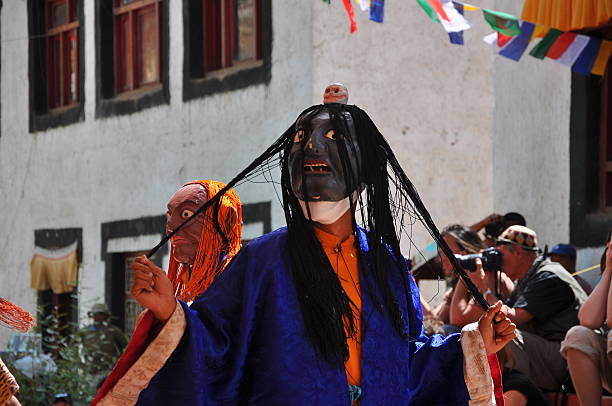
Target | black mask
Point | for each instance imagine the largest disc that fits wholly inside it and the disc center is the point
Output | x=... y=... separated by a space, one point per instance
x=315 y=157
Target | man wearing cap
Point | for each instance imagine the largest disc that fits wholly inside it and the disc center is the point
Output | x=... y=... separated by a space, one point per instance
x=565 y=255
x=102 y=341
x=543 y=305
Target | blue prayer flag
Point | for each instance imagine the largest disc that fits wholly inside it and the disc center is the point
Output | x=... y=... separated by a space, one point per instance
x=377 y=10
x=585 y=61
x=517 y=45
x=457 y=37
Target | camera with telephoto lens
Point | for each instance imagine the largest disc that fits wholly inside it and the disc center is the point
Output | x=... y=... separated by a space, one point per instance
x=491 y=260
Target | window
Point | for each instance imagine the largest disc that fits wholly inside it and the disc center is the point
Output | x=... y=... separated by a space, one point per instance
x=231 y=33
x=56 y=63
x=591 y=155
x=132 y=47
x=122 y=241
x=62 y=52
x=605 y=144
x=227 y=45
x=137 y=44
x=59 y=310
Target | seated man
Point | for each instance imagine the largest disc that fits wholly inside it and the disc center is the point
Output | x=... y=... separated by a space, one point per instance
x=565 y=254
x=321 y=312
x=588 y=347
x=544 y=305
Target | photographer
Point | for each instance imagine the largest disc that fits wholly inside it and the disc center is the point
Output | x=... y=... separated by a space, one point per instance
x=462 y=241
x=491 y=282
x=544 y=305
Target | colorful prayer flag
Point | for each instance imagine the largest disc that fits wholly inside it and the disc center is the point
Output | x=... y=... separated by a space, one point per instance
x=501 y=22
x=429 y=10
x=540 y=50
x=573 y=51
x=467 y=7
x=517 y=46
x=490 y=39
x=561 y=45
x=456 y=22
x=456 y=37
x=377 y=10
x=599 y=66
x=585 y=61
x=351 y=13
x=364 y=4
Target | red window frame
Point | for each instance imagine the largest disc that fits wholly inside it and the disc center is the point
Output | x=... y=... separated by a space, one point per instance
x=130 y=44
x=62 y=54
x=220 y=38
x=605 y=142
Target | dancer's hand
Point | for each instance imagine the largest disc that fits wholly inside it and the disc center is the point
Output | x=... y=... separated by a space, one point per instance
x=152 y=288
x=496 y=334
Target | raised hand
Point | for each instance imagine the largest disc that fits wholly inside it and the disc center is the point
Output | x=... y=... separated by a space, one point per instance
x=496 y=334
x=152 y=288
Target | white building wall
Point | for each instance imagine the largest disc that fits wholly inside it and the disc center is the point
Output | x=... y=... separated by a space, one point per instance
x=531 y=152
x=126 y=167
x=432 y=100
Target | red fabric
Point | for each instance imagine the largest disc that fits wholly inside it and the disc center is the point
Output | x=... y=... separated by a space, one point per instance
x=437 y=6
x=351 y=13
x=496 y=375
x=145 y=332
x=561 y=44
x=502 y=39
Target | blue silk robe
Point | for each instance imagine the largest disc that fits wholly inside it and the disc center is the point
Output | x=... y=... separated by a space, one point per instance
x=244 y=344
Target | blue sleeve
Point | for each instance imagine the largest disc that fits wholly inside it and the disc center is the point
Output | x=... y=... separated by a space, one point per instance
x=206 y=367
x=436 y=368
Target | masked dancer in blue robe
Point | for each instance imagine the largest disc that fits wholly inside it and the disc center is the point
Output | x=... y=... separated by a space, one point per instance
x=321 y=312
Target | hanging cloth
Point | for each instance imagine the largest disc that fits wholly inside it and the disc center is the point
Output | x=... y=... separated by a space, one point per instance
x=566 y=15
x=54 y=269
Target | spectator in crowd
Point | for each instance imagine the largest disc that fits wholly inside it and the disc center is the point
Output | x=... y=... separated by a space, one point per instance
x=494 y=224
x=565 y=254
x=461 y=240
x=102 y=342
x=62 y=399
x=519 y=390
x=588 y=347
x=544 y=305
x=494 y=285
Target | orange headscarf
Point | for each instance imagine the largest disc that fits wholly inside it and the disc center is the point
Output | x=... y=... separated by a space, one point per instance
x=214 y=252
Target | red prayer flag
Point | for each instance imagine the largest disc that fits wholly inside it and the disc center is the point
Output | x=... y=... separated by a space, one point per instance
x=502 y=39
x=351 y=13
x=437 y=6
x=560 y=45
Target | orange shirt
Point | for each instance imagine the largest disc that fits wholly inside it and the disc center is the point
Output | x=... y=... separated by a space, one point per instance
x=343 y=258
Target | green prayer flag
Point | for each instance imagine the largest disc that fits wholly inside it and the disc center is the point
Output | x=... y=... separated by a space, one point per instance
x=428 y=9
x=540 y=50
x=506 y=24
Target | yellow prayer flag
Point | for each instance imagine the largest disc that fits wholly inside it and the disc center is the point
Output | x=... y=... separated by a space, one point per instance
x=540 y=31
x=599 y=67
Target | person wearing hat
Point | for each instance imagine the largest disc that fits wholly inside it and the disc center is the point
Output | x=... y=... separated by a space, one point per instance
x=543 y=305
x=565 y=254
x=102 y=341
x=62 y=399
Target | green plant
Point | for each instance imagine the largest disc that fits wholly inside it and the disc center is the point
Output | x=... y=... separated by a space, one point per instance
x=73 y=373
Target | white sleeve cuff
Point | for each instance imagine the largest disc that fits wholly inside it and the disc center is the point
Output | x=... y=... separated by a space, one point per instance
x=476 y=370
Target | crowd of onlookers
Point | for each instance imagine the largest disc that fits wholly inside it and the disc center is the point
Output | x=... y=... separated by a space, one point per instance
x=562 y=321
